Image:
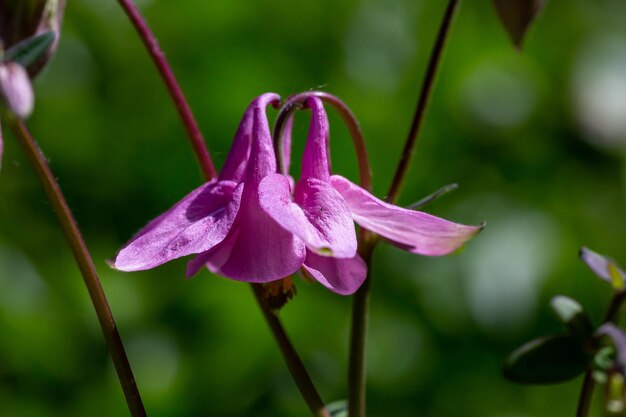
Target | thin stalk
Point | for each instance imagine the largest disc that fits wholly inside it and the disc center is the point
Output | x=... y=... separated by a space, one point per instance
x=86 y=266
x=586 y=391
x=184 y=110
x=422 y=103
x=358 y=338
x=294 y=363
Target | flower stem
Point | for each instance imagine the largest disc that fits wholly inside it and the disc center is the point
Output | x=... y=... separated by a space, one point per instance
x=586 y=391
x=294 y=363
x=358 y=338
x=184 y=110
x=87 y=268
x=422 y=103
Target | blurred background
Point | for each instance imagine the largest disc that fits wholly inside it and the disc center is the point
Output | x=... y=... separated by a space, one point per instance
x=536 y=141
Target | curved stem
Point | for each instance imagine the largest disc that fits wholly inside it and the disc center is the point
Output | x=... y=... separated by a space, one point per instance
x=422 y=103
x=294 y=363
x=184 y=111
x=296 y=102
x=87 y=268
x=586 y=391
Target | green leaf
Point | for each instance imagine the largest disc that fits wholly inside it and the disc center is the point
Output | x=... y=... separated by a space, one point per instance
x=30 y=50
x=432 y=197
x=573 y=316
x=516 y=16
x=338 y=408
x=547 y=360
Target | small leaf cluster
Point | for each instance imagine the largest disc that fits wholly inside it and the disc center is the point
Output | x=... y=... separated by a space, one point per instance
x=581 y=347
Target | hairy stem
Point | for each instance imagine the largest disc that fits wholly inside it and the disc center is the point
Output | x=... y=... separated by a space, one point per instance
x=422 y=103
x=86 y=266
x=294 y=363
x=586 y=391
x=184 y=110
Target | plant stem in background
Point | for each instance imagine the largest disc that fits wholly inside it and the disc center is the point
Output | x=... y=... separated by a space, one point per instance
x=586 y=391
x=422 y=103
x=294 y=363
x=184 y=110
x=360 y=306
x=87 y=268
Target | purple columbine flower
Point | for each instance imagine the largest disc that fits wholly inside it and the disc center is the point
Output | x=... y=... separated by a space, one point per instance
x=324 y=208
x=222 y=221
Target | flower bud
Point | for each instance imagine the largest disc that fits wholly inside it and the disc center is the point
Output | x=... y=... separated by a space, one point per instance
x=16 y=92
x=20 y=20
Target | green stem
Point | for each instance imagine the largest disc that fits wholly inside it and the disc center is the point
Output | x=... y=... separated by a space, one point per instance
x=358 y=338
x=422 y=103
x=86 y=266
x=294 y=363
x=586 y=391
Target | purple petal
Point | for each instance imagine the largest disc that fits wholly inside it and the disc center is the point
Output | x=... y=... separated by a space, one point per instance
x=600 y=264
x=194 y=225
x=619 y=340
x=315 y=157
x=256 y=249
x=342 y=276
x=1 y=145
x=286 y=145
x=237 y=159
x=16 y=90
x=414 y=231
x=321 y=217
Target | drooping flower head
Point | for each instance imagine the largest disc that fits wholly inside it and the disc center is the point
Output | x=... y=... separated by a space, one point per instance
x=324 y=207
x=29 y=34
x=251 y=224
x=203 y=218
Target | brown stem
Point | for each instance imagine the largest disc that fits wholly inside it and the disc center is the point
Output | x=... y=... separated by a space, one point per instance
x=422 y=103
x=294 y=363
x=184 y=110
x=86 y=266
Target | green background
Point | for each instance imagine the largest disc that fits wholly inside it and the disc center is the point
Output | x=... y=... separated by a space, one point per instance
x=536 y=141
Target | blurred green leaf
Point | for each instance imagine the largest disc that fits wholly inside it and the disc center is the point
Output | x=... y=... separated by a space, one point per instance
x=516 y=16
x=30 y=50
x=604 y=358
x=547 y=360
x=573 y=316
x=434 y=196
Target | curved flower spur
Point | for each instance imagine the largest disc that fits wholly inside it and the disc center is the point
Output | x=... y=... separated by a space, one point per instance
x=324 y=206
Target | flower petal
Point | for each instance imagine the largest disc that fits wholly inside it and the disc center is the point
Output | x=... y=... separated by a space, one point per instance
x=602 y=266
x=256 y=249
x=194 y=225
x=16 y=90
x=342 y=276
x=319 y=216
x=315 y=158
x=234 y=168
x=414 y=231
